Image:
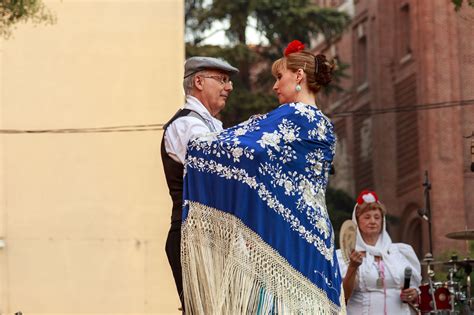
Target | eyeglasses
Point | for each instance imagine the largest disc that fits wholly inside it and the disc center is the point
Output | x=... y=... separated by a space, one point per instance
x=223 y=80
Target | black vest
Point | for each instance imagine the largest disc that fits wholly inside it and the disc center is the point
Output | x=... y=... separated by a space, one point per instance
x=174 y=170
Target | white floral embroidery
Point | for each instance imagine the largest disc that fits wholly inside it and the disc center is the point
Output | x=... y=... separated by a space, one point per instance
x=237 y=153
x=315 y=163
x=240 y=131
x=272 y=202
x=278 y=179
x=304 y=188
x=304 y=110
x=271 y=140
x=289 y=186
x=307 y=187
x=209 y=137
x=328 y=282
x=277 y=142
x=289 y=131
x=323 y=226
x=321 y=130
x=312 y=202
x=221 y=147
x=227 y=144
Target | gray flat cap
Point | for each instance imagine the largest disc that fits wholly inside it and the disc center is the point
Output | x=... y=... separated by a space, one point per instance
x=195 y=64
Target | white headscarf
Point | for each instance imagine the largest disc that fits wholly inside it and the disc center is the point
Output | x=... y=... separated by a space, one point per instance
x=384 y=241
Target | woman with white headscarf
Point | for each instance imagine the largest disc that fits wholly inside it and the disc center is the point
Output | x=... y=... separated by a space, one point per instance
x=374 y=274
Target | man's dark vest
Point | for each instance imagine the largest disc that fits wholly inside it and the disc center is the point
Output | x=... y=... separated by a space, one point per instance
x=174 y=170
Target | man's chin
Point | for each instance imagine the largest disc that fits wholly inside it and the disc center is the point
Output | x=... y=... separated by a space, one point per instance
x=221 y=106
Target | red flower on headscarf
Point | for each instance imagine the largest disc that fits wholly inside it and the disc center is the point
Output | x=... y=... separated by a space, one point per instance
x=367 y=196
x=293 y=47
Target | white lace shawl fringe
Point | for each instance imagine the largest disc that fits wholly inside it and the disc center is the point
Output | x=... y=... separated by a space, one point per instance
x=229 y=269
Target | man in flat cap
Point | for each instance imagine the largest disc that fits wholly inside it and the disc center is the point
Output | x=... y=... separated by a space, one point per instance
x=207 y=86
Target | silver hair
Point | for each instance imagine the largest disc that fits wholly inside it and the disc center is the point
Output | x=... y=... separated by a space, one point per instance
x=188 y=83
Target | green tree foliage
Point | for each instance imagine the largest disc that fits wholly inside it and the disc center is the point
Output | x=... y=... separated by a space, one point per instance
x=458 y=3
x=280 y=21
x=13 y=12
x=243 y=103
x=340 y=206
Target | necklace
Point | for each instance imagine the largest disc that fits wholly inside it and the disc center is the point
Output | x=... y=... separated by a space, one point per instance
x=381 y=271
x=380 y=282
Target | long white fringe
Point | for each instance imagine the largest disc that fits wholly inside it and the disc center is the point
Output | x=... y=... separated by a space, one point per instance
x=229 y=269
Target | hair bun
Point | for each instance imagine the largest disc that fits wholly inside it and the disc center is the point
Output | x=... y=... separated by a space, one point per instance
x=323 y=69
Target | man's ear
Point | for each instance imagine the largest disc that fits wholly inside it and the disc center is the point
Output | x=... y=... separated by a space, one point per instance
x=198 y=83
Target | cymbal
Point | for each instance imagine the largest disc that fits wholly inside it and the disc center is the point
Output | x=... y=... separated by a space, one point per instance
x=432 y=263
x=461 y=263
x=453 y=262
x=461 y=235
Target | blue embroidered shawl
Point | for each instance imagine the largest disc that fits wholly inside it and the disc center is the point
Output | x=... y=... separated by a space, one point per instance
x=255 y=217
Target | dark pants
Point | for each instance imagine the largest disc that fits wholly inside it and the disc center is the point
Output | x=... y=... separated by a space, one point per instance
x=173 y=251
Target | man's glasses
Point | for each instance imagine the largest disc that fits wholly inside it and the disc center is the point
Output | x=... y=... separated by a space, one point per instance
x=223 y=80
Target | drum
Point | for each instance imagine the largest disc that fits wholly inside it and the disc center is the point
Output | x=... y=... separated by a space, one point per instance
x=441 y=295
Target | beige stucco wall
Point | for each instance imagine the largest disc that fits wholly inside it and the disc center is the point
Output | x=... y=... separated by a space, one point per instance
x=85 y=216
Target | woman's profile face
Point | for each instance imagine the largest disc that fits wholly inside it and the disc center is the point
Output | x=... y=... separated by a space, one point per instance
x=370 y=223
x=285 y=85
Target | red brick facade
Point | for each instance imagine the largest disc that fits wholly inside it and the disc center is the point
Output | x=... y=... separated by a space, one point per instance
x=405 y=53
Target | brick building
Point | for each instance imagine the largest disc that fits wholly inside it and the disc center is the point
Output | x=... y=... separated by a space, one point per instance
x=408 y=55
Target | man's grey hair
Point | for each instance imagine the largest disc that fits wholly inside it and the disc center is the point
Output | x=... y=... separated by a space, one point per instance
x=188 y=83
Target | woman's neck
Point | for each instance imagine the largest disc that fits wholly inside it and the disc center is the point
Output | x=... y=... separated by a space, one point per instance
x=307 y=98
x=370 y=239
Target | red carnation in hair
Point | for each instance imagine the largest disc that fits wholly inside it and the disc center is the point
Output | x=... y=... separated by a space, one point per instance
x=293 y=47
x=367 y=196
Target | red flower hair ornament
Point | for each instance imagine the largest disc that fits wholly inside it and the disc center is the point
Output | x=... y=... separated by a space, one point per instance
x=294 y=46
x=367 y=196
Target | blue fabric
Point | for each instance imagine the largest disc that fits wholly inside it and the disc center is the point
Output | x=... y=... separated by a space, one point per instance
x=271 y=172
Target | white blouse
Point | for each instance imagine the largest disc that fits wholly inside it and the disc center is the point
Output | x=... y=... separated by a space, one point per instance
x=370 y=297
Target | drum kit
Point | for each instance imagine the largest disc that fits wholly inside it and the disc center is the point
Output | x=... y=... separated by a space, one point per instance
x=452 y=296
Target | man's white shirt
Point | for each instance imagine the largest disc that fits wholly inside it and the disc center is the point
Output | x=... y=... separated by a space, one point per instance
x=186 y=128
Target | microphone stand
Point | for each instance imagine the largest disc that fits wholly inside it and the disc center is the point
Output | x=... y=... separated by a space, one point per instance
x=426 y=212
x=427 y=186
x=426 y=215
